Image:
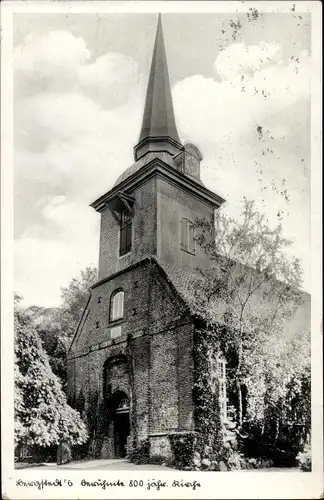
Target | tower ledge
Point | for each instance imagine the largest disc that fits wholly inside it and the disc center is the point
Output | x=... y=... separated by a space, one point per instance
x=160 y=167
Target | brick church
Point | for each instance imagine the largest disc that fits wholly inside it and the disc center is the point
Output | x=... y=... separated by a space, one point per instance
x=130 y=364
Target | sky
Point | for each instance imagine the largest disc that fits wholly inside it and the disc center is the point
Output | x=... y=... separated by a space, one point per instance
x=241 y=91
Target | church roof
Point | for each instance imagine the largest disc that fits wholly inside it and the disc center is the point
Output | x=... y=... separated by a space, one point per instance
x=158 y=126
x=158 y=119
x=144 y=161
x=181 y=279
x=135 y=167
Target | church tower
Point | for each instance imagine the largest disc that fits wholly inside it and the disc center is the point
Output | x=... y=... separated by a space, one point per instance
x=151 y=207
x=130 y=366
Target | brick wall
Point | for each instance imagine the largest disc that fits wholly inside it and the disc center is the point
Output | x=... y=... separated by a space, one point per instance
x=174 y=204
x=158 y=209
x=141 y=396
x=144 y=232
x=160 y=351
x=164 y=386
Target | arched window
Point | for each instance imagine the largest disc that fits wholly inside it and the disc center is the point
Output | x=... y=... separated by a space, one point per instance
x=187 y=236
x=117 y=305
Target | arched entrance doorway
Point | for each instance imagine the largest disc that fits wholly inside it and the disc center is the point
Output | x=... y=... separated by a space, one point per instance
x=121 y=423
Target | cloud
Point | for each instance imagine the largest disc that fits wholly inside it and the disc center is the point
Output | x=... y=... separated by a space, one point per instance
x=240 y=59
x=43 y=267
x=67 y=140
x=56 y=61
x=110 y=79
x=252 y=123
x=79 y=145
x=240 y=99
x=48 y=255
x=75 y=124
x=49 y=60
x=53 y=116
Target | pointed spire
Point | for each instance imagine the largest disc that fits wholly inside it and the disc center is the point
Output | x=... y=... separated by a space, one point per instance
x=159 y=131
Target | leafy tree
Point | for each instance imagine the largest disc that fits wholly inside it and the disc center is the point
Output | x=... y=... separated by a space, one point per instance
x=49 y=323
x=74 y=297
x=251 y=287
x=56 y=325
x=279 y=405
x=42 y=415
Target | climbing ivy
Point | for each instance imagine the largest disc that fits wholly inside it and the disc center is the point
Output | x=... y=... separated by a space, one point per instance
x=206 y=396
x=131 y=372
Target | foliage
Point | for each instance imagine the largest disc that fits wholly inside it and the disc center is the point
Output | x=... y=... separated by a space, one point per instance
x=51 y=328
x=75 y=295
x=206 y=396
x=236 y=461
x=304 y=458
x=55 y=326
x=233 y=459
x=42 y=415
x=279 y=425
x=141 y=454
x=183 y=447
x=251 y=288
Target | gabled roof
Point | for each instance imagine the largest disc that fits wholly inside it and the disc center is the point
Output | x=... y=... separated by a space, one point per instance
x=181 y=280
x=183 y=283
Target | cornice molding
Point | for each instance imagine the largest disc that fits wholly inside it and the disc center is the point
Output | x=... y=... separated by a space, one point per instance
x=158 y=167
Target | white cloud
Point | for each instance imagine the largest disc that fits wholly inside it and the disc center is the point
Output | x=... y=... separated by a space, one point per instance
x=70 y=217
x=46 y=262
x=45 y=51
x=84 y=147
x=110 y=79
x=241 y=59
x=50 y=60
x=53 y=116
x=231 y=105
x=56 y=61
x=252 y=127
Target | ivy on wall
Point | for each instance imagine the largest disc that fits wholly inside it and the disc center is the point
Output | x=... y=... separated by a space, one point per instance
x=132 y=395
x=203 y=448
x=209 y=443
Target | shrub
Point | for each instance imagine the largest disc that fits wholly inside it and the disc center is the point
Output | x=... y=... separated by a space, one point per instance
x=42 y=416
x=160 y=460
x=141 y=454
x=234 y=460
x=183 y=446
x=261 y=443
x=304 y=458
x=157 y=459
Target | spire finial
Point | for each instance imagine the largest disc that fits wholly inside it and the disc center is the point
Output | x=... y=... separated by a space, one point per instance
x=159 y=131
